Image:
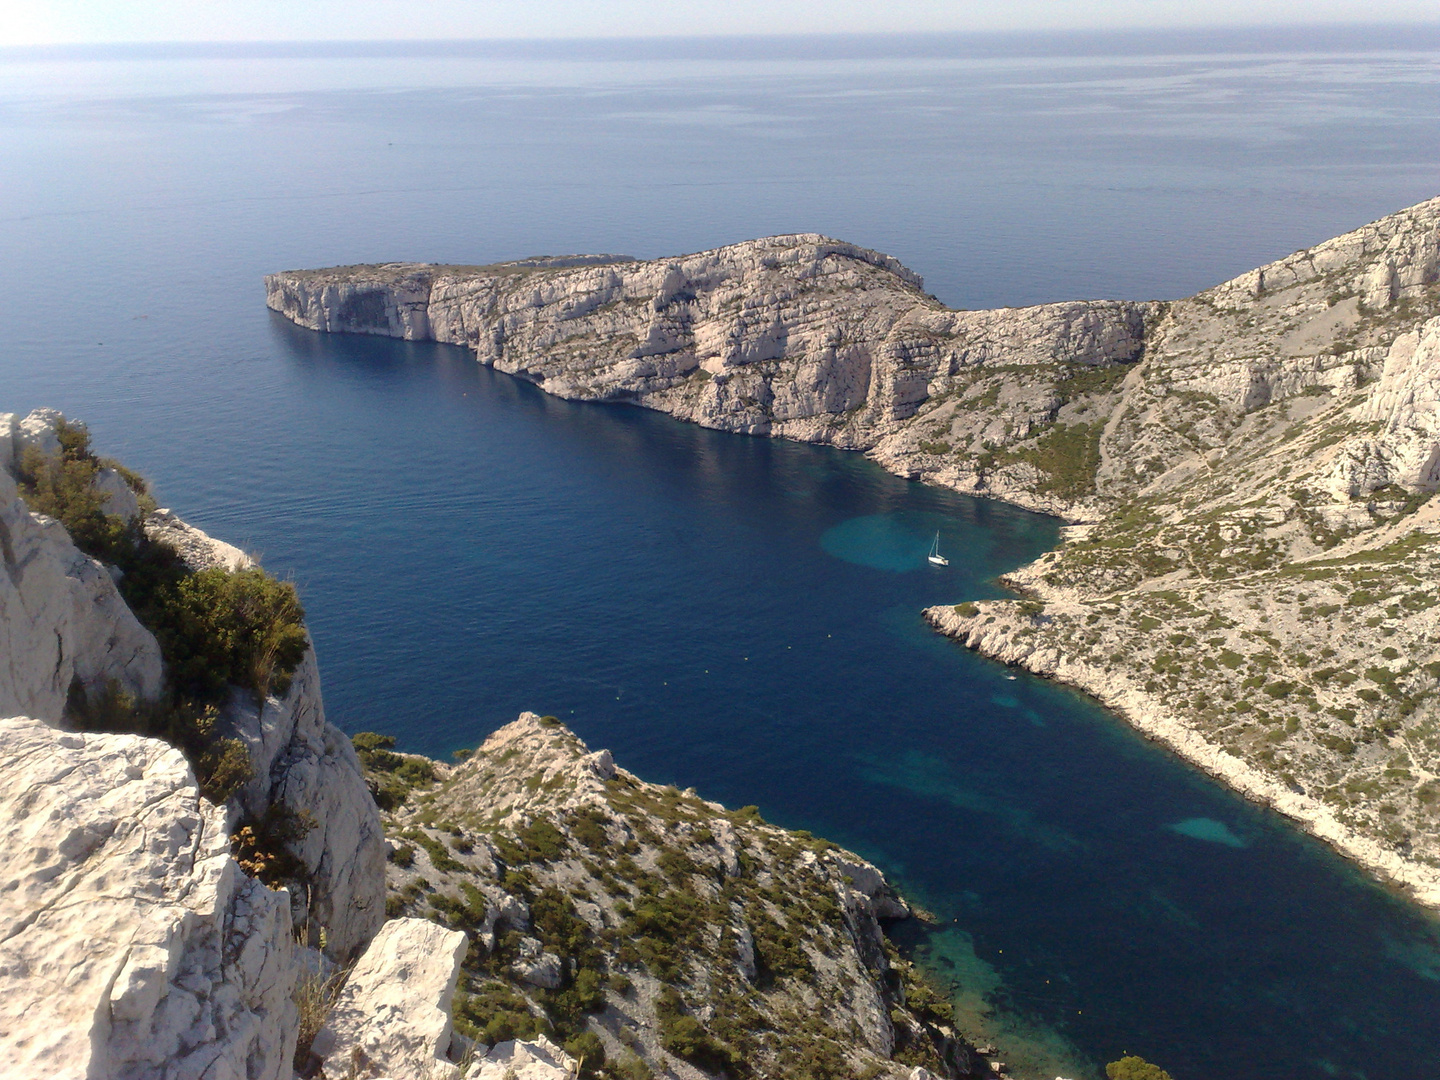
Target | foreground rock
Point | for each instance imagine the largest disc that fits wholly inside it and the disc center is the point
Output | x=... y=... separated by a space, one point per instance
x=651 y=929
x=1256 y=463
x=130 y=942
x=393 y=1016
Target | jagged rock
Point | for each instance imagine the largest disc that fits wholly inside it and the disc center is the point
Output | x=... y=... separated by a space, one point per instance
x=37 y=431
x=307 y=766
x=120 y=500
x=539 y=1059
x=131 y=945
x=195 y=548
x=61 y=617
x=643 y=872
x=393 y=1017
x=538 y=967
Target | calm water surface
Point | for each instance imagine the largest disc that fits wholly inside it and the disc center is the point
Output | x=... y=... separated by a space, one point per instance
x=735 y=614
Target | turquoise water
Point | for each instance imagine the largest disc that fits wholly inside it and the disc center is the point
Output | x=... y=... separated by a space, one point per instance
x=735 y=614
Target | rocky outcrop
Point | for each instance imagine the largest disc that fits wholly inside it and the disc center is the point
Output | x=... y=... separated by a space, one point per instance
x=629 y=913
x=393 y=1017
x=131 y=945
x=61 y=618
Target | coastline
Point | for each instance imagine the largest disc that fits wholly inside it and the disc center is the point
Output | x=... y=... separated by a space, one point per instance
x=1248 y=468
x=1140 y=711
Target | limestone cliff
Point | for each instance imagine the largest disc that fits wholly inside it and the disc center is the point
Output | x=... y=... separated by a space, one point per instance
x=1255 y=465
x=796 y=336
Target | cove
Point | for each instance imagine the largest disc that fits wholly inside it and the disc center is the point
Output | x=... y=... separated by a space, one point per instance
x=741 y=615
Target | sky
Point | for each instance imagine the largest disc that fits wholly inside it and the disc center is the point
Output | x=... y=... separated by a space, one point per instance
x=43 y=22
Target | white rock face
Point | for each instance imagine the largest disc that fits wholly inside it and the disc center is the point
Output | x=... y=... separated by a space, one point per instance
x=198 y=550
x=799 y=336
x=306 y=764
x=517 y=1060
x=61 y=618
x=120 y=500
x=393 y=1017
x=1406 y=405
x=133 y=946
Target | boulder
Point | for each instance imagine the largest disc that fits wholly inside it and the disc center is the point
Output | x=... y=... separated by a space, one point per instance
x=133 y=945
x=393 y=1017
x=529 y=1060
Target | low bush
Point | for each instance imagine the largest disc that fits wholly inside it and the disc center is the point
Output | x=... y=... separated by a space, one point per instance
x=685 y=1037
x=1132 y=1067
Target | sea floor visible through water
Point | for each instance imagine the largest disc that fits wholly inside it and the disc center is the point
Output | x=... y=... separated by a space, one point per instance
x=736 y=614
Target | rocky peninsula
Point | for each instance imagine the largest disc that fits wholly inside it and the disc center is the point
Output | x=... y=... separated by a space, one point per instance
x=207 y=879
x=1250 y=576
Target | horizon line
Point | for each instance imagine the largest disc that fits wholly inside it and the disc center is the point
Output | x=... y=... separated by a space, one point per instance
x=1328 y=36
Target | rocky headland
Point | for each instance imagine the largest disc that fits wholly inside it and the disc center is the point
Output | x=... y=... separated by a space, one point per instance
x=202 y=882
x=1251 y=576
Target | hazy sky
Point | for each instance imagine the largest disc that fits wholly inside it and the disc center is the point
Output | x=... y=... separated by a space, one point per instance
x=54 y=21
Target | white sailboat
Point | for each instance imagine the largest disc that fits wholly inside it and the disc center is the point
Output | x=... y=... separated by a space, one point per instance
x=935 y=556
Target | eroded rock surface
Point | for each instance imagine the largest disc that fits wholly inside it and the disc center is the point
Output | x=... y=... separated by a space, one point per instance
x=131 y=945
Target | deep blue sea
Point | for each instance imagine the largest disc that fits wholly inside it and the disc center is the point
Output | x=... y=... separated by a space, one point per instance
x=735 y=614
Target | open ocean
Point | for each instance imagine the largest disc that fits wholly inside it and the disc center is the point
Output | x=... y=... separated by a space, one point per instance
x=735 y=614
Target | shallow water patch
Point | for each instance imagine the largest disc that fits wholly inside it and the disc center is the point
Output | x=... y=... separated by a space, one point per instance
x=1209 y=830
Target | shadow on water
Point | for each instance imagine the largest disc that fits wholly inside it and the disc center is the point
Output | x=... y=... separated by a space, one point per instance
x=742 y=615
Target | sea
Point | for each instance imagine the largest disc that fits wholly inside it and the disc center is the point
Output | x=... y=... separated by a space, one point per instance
x=734 y=614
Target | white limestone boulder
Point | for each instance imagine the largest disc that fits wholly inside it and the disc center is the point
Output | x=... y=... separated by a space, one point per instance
x=538 y=1059
x=392 y=1019
x=133 y=946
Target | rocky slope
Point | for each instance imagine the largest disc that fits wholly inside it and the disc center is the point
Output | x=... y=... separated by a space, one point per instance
x=1254 y=464
x=137 y=940
x=650 y=930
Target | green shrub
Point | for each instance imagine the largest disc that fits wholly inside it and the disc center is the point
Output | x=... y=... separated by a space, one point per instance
x=495 y=1013
x=1131 y=1067
x=222 y=628
x=685 y=1037
x=587 y=1049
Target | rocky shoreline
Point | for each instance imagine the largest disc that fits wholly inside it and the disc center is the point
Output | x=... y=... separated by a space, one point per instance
x=1146 y=714
x=1254 y=466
